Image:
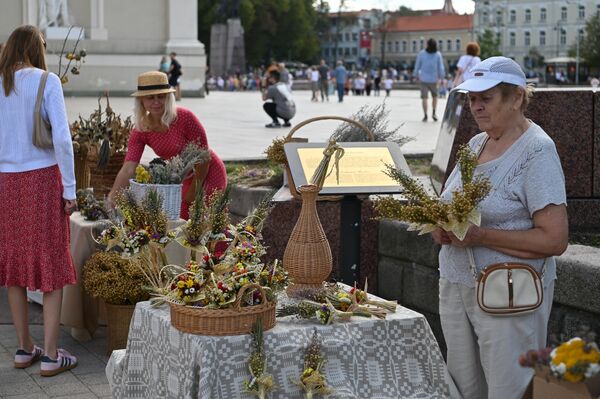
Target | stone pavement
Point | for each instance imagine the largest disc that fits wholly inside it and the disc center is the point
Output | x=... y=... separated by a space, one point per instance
x=235 y=127
x=234 y=121
x=86 y=381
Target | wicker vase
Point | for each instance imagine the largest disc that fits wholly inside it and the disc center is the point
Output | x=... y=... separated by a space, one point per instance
x=102 y=179
x=307 y=256
x=118 y=318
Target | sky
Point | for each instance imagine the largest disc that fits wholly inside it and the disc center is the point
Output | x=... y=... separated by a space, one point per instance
x=461 y=6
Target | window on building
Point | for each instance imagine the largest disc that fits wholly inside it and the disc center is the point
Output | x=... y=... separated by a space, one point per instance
x=513 y=16
x=499 y=37
x=527 y=40
x=397 y=47
x=340 y=37
x=513 y=39
x=598 y=9
x=389 y=49
x=527 y=15
x=499 y=17
x=326 y=52
x=458 y=46
x=347 y=37
x=448 y=45
x=354 y=37
x=580 y=34
x=563 y=37
x=354 y=51
x=563 y=13
x=404 y=46
x=440 y=45
x=422 y=44
x=340 y=51
x=581 y=12
x=414 y=46
x=346 y=51
x=367 y=24
x=542 y=15
x=542 y=38
x=485 y=18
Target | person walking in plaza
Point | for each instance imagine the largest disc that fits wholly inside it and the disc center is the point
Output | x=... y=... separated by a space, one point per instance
x=314 y=83
x=523 y=220
x=466 y=62
x=387 y=85
x=164 y=65
x=377 y=84
x=167 y=129
x=429 y=70
x=37 y=195
x=340 y=74
x=282 y=104
x=324 y=80
x=175 y=73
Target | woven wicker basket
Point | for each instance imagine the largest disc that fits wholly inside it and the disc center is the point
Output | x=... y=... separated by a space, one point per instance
x=232 y=321
x=102 y=179
x=118 y=318
x=289 y=138
x=170 y=193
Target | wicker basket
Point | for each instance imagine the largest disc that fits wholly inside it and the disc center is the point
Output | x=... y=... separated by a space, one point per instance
x=170 y=193
x=232 y=321
x=118 y=318
x=102 y=179
x=289 y=138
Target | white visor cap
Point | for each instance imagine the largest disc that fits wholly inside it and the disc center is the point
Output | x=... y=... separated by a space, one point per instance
x=491 y=72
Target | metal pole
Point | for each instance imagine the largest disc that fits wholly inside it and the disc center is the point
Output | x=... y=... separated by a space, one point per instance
x=577 y=60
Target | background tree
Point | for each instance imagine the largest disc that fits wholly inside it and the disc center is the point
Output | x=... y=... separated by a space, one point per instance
x=207 y=14
x=407 y=11
x=489 y=44
x=589 y=47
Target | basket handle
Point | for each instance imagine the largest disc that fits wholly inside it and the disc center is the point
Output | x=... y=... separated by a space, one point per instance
x=368 y=132
x=238 y=302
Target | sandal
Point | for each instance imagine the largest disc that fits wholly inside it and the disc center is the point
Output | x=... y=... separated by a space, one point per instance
x=64 y=361
x=24 y=359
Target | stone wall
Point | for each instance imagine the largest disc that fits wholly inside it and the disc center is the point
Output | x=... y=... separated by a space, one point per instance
x=408 y=272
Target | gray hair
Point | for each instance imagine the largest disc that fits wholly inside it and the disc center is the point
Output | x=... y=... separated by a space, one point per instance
x=140 y=114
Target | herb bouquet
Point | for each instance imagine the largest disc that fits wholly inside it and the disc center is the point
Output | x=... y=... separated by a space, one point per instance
x=425 y=213
x=166 y=177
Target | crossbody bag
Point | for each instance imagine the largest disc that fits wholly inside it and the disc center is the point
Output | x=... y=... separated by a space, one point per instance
x=509 y=288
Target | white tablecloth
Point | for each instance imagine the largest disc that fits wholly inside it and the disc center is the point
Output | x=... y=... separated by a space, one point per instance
x=366 y=358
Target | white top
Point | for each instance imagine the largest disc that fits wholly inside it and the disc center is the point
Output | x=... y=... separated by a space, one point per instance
x=525 y=179
x=387 y=84
x=314 y=75
x=17 y=152
x=466 y=63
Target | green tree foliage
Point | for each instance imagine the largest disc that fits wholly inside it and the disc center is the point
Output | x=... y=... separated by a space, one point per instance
x=589 y=48
x=407 y=11
x=279 y=29
x=207 y=15
x=489 y=44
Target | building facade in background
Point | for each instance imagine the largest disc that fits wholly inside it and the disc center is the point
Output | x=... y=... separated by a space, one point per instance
x=551 y=27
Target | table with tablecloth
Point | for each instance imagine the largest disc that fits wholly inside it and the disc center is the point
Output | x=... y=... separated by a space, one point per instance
x=366 y=358
x=79 y=310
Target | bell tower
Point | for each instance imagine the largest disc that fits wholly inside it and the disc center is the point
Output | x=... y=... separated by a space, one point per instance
x=448 y=8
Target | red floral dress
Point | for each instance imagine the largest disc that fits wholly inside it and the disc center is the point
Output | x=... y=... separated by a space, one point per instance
x=185 y=129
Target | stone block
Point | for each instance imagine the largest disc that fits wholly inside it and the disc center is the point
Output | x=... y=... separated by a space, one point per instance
x=566 y=322
x=584 y=214
x=389 y=275
x=396 y=242
x=69 y=389
x=420 y=287
x=244 y=199
x=596 y=144
x=578 y=283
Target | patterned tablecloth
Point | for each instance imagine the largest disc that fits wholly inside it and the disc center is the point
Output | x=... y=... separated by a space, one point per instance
x=366 y=358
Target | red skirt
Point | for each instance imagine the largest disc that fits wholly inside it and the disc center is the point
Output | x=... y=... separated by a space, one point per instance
x=34 y=231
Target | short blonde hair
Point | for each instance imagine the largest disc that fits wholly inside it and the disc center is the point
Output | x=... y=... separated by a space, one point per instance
x=140 y=114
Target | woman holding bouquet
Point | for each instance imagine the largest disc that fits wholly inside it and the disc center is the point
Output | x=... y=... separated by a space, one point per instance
x=523 y=220
x=167 y=130
x=37 y=195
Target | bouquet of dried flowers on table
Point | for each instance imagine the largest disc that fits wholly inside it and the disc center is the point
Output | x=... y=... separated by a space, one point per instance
x=425 y=213
x=261 y=382
x=115 y=280
x=103 y=133
x=174 y=170
x=89 y=207
x=573 y=361
x=312 y=380
x=333 y=303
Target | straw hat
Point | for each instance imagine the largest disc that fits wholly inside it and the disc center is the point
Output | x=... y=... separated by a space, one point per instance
x=153 y=82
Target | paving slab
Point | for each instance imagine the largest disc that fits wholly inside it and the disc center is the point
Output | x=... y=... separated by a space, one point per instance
x=235 y=121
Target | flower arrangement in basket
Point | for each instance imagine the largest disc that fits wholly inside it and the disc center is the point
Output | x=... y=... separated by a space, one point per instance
x=575 y=362
x=166 y=177
x=425 y=213
x=89 y=207
x=227 y=287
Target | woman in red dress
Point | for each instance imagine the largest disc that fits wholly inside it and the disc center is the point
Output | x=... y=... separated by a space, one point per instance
x=167 y=130
x=37 y=195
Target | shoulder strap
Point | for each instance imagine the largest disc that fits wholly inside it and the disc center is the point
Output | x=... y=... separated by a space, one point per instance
x=503 y=172
x=40 y=93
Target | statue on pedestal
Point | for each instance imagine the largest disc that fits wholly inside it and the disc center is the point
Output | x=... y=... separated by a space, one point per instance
x=53 y=13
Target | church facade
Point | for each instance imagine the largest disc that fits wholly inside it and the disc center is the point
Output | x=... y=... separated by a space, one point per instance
x=121 y=38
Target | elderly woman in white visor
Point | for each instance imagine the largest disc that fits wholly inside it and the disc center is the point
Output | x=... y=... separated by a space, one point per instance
x=524 y=220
